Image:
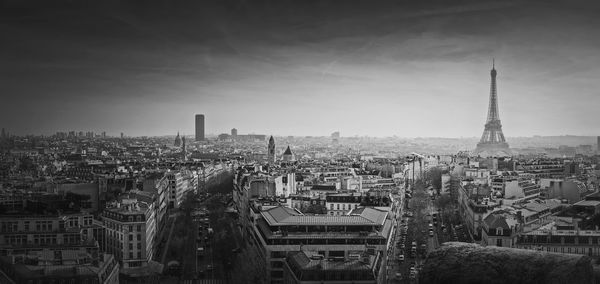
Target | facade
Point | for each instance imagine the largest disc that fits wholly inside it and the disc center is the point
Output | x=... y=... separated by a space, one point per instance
x=60 y=266
x=178 y=184
x=520 y=190
x=308 y=268
x=234 y=133
x=130 y=227
x=561 y=241
x=500 y=228
x=492 y=143
x=342 y=203
x=36 y=232
x=199 y=127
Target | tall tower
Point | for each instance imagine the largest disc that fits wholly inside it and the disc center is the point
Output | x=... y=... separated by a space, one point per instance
x=183 y=147
x=177 y=142
x=271 y=151
x=199 y=127
x=492 y=143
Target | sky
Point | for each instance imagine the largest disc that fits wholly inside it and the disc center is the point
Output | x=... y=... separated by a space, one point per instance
x=376 y=68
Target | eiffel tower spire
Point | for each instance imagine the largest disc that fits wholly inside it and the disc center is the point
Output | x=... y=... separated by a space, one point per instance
x=492 y=141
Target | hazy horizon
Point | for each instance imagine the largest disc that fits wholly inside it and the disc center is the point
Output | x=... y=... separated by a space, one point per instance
x=305 y=68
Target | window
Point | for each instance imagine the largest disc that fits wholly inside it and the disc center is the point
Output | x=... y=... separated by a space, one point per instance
x=130 y=237
x=499 y=242
x=499 y=231
x=139 y=228
x=130 y=246
x=139 y=237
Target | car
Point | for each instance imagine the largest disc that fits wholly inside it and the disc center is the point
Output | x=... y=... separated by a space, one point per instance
x=398 y=275
x=210 y=267
x=431 y=234
x=401 y=257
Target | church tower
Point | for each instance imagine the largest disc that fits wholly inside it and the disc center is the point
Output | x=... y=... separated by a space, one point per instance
x=177 y=140
x=271 y=151
x=183 y=148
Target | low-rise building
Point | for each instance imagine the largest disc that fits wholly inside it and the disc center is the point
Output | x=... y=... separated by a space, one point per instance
x=309 y=268
x=60 y=266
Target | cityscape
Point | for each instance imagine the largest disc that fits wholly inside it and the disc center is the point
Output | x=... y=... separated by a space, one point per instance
x=299 y=142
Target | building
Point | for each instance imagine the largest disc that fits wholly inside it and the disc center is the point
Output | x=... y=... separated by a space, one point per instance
x=179 y=184
x=32 y=232
x=492 y=143
x=279 y=230
x=342 y=203
x=288 y=156
x=199 y=127
x=60 y=266
x=303 y=267
x=130 y=228
x=551 y=238
x=271 y=151
x=500 y=228
x=335 y=138
x=234 y=133
x=177 y=142
x=520 y=190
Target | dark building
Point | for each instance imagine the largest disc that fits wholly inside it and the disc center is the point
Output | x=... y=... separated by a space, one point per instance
x=199 y=127
x=598 y=145
x=233 y=133
x=271 y=151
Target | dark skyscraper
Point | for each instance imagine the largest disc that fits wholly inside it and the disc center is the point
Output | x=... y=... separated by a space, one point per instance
x=492 y=143
x=199 y=127
x=598 y=144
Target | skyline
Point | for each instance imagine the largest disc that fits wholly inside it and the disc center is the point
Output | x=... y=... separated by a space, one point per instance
x=361 y=70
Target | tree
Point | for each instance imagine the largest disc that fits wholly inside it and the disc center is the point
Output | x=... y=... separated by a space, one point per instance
x=435 y=175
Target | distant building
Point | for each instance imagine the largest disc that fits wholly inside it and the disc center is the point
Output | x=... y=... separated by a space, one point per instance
x=598 y=144
x=233 y=133
x=342 y=203
x=335 y=138
x=199 y=127
x=177 y=142
x=288 y=156
x=271 y=151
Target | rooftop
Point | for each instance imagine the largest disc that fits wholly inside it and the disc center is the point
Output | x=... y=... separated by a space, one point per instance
x=282 y=216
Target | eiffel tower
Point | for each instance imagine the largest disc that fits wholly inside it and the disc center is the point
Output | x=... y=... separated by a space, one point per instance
x=492 y=143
